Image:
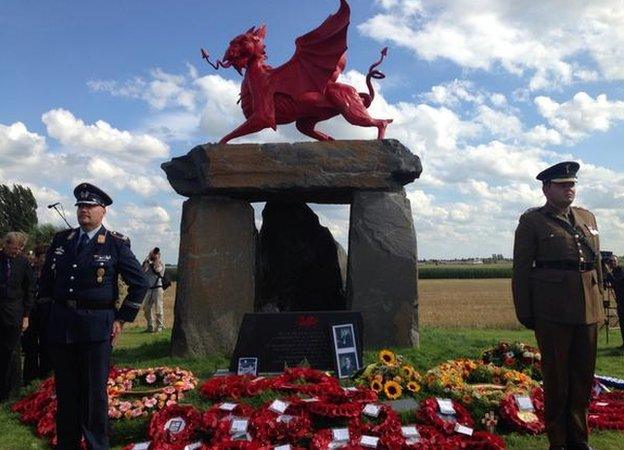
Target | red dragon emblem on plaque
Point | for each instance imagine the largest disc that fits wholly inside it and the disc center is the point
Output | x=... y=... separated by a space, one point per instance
x=304 y=90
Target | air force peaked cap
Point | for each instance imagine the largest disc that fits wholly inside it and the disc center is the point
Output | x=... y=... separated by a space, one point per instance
x=560 y=173
x=87 y=194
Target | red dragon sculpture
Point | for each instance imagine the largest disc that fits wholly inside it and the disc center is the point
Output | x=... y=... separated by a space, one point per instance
x=304 y=90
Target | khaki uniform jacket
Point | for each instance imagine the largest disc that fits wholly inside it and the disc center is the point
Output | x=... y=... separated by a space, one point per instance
x=564 y=296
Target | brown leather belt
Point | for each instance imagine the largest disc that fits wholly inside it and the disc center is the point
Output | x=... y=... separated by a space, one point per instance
x=565 y=265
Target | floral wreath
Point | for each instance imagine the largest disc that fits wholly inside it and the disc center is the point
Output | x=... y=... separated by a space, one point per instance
x=517 y=356
x=387 y=421
x=531 y=423
x=234 y=387
x=606 y=411
x=270 y=427
x=428 y=413
x=304 y=380
x=154 y=388
x=162 y=435
x=472 y=382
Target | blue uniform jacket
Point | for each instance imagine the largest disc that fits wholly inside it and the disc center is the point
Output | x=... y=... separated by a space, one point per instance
x=89 y=276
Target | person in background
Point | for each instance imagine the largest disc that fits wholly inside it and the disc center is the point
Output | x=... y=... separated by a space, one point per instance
x=37 y=362
x=153 y=303
x=17 y=292
x=615 y=278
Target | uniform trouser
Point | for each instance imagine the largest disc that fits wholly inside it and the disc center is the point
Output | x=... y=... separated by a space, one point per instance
x=37 y=362
x=153 y=306
x=81 y=374
x=10 y=360
x=568 y=363
x=620 y=313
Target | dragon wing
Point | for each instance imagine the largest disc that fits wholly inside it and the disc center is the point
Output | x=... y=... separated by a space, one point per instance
x=319 y=56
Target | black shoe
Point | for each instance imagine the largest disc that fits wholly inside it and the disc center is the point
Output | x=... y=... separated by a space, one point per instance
x=581 y=446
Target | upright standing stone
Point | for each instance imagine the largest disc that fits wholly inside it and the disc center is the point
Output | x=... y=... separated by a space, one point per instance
x=216 y=271
x=382 y=278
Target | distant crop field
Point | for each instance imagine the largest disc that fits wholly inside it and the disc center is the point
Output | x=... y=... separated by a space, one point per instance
x=463 y=271
x=479 y=303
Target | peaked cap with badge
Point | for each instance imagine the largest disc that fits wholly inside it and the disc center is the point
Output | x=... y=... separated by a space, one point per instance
x=557 y=291
x=88 y=194
x=562 y=172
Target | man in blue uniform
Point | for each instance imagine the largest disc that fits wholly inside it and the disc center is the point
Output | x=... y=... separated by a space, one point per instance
x=80 y=277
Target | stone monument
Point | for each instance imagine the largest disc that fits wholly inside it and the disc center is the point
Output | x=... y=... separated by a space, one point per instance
x=220 y=269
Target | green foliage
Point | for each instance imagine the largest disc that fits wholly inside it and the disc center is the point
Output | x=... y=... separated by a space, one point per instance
x=42 y=235
x=18 y=209
x=462 y=272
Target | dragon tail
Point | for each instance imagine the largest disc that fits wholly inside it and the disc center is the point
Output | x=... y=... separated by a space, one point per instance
x=368 y=98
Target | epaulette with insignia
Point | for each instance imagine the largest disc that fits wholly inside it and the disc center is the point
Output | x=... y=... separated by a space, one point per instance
x=68 y=233
x=120 y=236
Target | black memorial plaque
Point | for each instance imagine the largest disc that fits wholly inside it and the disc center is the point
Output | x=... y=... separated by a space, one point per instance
x=288 y=338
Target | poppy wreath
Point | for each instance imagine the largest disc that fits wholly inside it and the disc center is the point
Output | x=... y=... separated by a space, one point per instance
x=215 y=415
x=428 y=413
x=529 y=423
x=32 y=407
x=329 y=409
x=234 y=387
x=307 y=381
x=270 y=427
x=430 y=439
x=606 y=411
x=152 y=388
x=387 y=422
x=163 y=438
x=480 y=440
x=322 y=438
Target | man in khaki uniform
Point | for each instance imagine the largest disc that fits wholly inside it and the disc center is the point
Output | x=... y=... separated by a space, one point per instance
x=557 y=290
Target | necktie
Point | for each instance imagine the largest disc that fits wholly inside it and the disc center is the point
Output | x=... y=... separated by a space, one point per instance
x=84 y=239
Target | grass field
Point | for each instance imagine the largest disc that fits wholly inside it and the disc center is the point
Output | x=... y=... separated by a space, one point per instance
x=459 y=318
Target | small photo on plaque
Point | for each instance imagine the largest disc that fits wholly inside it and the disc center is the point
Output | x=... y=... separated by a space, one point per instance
x=247 y=366
x=343 y=336
x=347 y=364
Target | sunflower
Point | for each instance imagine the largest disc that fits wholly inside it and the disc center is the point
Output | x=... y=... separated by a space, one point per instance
x=388 y=357
x=413 y=387
x=376 y=386
x=393 y=390
x=407 y=371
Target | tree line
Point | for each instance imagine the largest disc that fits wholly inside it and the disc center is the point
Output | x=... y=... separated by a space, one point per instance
x=18 y=212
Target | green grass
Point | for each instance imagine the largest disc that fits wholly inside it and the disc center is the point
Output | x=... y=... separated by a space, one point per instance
x=437 y=345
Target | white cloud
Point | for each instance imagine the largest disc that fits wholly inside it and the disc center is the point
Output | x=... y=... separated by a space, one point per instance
x=163 y=90
x=101 y=137
x=545 y=40
x=18 y=145
x=581 y=115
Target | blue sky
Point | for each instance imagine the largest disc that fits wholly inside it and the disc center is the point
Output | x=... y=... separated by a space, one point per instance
x=486 y=92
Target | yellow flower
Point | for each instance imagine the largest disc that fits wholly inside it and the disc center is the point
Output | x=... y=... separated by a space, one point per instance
x=388 y=357
x=376 y=386
x=407 y=371
x=413 y=387
x=398 y=379
x=393 y=390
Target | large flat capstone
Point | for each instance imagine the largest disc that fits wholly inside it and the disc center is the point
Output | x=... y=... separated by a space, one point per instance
x=319 y=172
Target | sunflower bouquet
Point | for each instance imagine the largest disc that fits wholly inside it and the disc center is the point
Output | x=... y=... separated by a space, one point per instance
x=391 y=376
